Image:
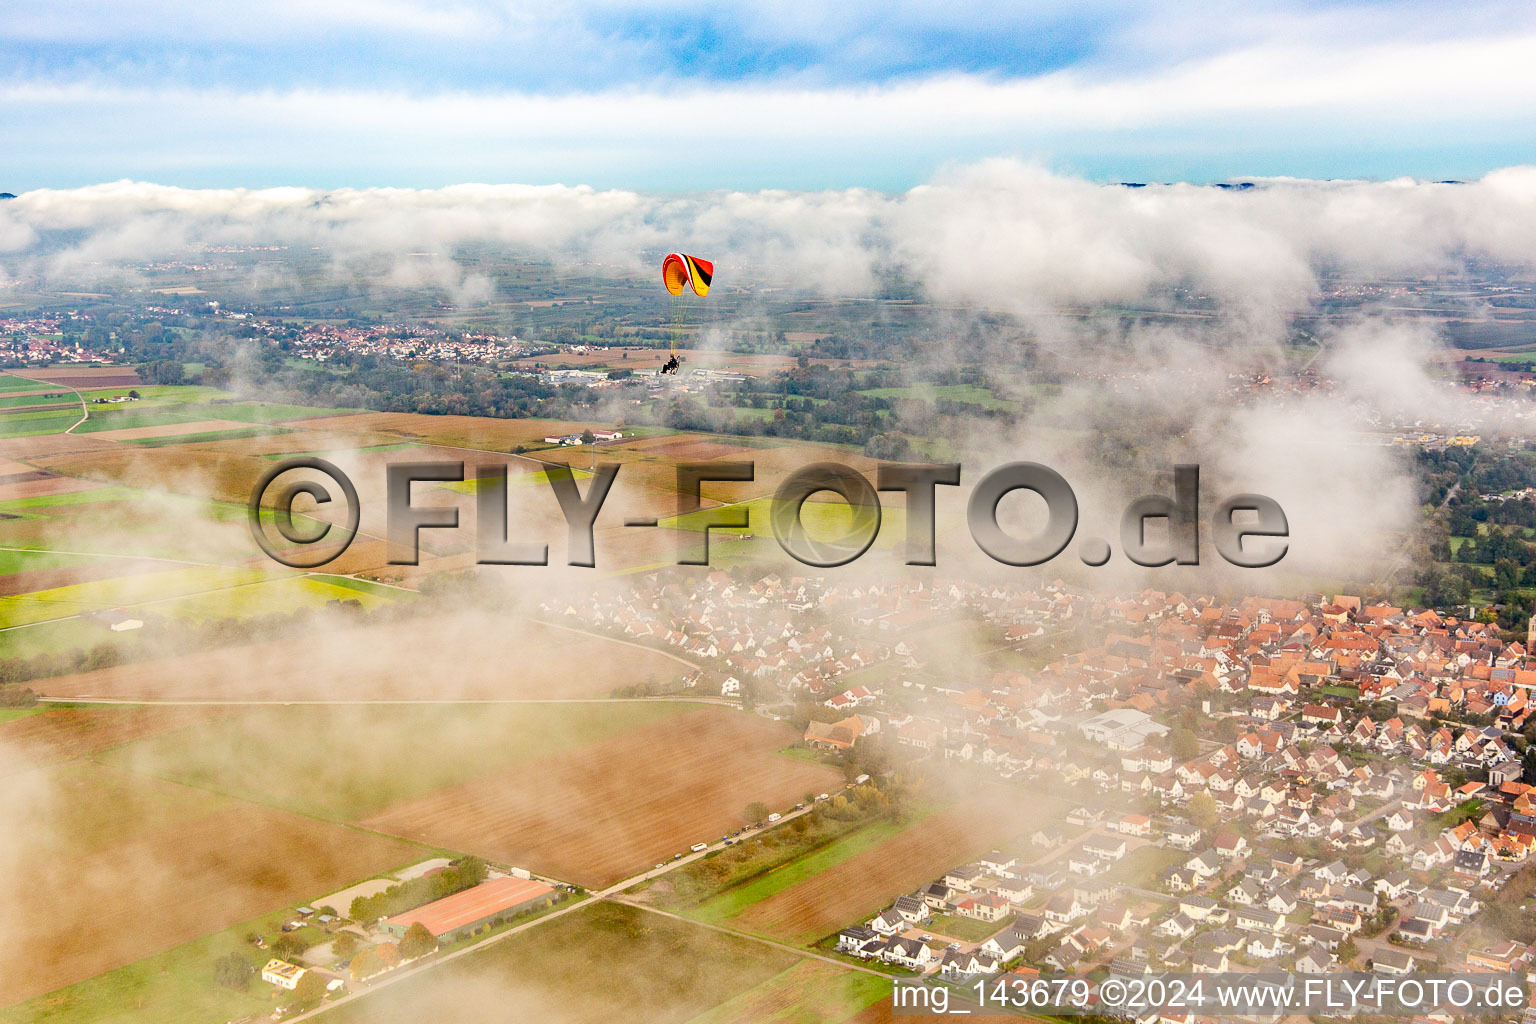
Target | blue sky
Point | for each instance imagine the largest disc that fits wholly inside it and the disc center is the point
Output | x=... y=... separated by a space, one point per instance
x=656 y=96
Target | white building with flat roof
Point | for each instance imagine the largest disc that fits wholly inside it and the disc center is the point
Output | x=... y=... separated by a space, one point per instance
x=1122 y=729
x=282 y=974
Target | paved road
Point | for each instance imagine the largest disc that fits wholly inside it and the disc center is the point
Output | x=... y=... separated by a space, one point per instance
x=613 y=892
x=84 y=412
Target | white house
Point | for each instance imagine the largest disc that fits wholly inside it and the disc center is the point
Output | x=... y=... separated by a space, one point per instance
x=282 y=974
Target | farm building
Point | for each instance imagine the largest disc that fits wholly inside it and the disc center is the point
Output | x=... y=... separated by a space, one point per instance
x=282 y=974
x=455 y=916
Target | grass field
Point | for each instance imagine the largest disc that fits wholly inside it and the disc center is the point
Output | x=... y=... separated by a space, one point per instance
x=12 y=562
x=13 y=383
x=269 y=597
x=158 y=413
x=31 y=424
x=142 y=589
x=1140 y=867
x=737 y=899
x=860 y=885
x=172 y=987
x=968 y=393
x=966 y=929
x=601 y=963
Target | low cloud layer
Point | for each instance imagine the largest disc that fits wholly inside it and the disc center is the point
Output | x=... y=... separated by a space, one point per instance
x=998 y=234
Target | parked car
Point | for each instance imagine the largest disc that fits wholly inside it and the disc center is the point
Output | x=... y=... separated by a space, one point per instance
x=699 y=847
x=775 y=816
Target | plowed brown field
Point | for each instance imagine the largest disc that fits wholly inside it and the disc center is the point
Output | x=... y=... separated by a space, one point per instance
x=598 y=814
x=105 y=868
x=63 y=733
x=502 y=658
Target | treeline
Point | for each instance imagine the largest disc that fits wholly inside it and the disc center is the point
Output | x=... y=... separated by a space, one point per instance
x=409 y=895
x=1492 y=553
x=185 y=637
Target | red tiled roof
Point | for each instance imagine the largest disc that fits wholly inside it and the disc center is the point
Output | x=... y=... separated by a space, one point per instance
x=484 y=900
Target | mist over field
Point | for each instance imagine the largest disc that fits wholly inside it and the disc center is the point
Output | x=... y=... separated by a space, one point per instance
x=998 y=236
x=1011 y=266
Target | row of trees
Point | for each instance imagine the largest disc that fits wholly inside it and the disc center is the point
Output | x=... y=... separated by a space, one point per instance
x=408 y=895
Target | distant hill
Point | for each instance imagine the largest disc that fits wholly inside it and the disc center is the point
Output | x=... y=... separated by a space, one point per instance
x=7 y=195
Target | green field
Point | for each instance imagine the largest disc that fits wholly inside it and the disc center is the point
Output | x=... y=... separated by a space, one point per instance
x=64 y=635
x=966 y=929
x=604 y=962
x=46 y=501
x=343 y=763
x=174 y=410
x=32 y=424
x=174 y=987
x=11 y=714
x=68 y=400
x=8 y=382
x=141 y=589
x=540 y=478
x=968 y=393
x=1141 y=866
x=734 y=900
x=14 y=561
x=823 y=520
x=269 y=597
x=233 y=434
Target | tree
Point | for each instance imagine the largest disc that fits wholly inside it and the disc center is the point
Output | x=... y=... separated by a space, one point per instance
x=310 y=989
x=345 y=944
x=233 y=971
x=366 y=964
x=472 y=872
x=389 y=953
x=1185 y=744
x=587 y=437
x=1203 y=810
x=757 y=811
x=287 y=946
x=417 y=942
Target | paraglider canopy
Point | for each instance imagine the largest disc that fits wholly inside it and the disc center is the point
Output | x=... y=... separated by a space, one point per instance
x=679 y=271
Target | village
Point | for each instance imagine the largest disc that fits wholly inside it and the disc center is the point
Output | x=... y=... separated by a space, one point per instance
x=1311 y=785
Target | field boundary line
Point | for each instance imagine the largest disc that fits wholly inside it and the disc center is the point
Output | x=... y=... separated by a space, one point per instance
x=85 y=413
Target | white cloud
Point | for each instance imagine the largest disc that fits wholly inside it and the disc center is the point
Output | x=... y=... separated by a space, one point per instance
x=1342 y=96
